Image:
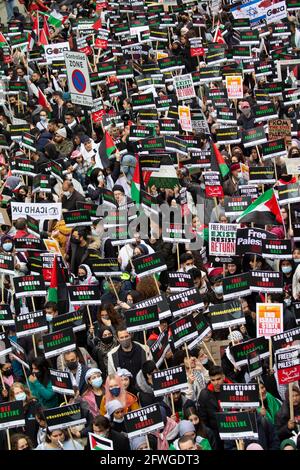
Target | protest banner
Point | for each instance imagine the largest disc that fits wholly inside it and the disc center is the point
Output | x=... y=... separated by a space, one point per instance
x=250 y=240
x=183 y=330
x=162 y=305
x=70 y=319
x=12 y=414
x=236 y=286
x=266 y=281
x=169 y=381
x=61 y=382
x=148 y=264
x=234 y=87
x=288 y=366
x=29 y=286
x=277 y=249
x=235 y=425
x=40 y=211
x=143 y=421
x=179 y=282
x=236 y=205
x=84 y=295
x=30 y=323
x=59 y=342
x=269 y=319
x=63 y=417
x=6 y=317
x=254 y=364
x=184 y=86
x=160 y=348
x=289 y=338
x=239 y=395
x=226 y=315
x=186 y=301
x=141 y=318
x=222 y=239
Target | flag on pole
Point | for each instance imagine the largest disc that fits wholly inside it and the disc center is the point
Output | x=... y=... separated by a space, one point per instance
x=33 y=36
x=98 y=24
x=217 y=158
x=3 y=41
x=55 y=19
x=42 y=100
x=57 y=291
x=106 y=149
x=137 y=183
x=53 y=289
x=265 y=210
x=44 y=34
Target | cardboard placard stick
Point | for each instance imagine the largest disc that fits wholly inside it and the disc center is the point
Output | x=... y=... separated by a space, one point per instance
x=292 y=415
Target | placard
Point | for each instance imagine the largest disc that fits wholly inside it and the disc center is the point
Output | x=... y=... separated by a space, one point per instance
x=141 y=318
x=179 y=281
x=288 y=366
x=6 y=317
x=183 y=330
x=187 y=301
x=169 y=381
x=77 y=218
x=184 y=86
x=7 y=264
x=289 y=338
x=59 y=342
x=84 y=295
x=29 y=286
x=254 y=365
x=235 y=206
x=235 y=425
x=266 y=281
x=11 y=414
x=61 y=382
x=148 y=264
x=277 y=249
x=162 y=305
x=202 y=327
x=222 y=239
x=30 y=323
x=143 y=421
x=250 y=240
x=70 y=319
x=106 y=267
x=243 y=351
x=288 y=193
x=6 y=345
x=236 y=286
x=239 y=395
x=269 y=319
x=40 y=211
x=160 y=348
x=63 y=417
x=226 y=315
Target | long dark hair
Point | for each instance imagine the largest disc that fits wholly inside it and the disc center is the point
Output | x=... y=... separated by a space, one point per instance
x=43 y=366
x=200 y=428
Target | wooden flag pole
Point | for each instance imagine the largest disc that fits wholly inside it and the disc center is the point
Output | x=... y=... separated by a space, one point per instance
x=25 y=375
x=156 y=283
x=89 y=315
x=8 y=439
x=209 y=353
x=178 y=258
x=2 y=381
x=145 y=338
x=148 y=443
x=114 y=289
x=292 y=416
x=173 y=404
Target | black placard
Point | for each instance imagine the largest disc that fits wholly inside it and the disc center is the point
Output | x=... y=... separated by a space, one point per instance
x=7 y=265
x=23 y=166
x=84 y=295
x=187 y=301
x=11 y=414
x=31 y=323
x=174 y=144
x=59 y=342
x=77 y=217
x=236 y=205
x=202 y=327
x=149 y=264
x=250 y=240
x=239 y=396
x=241 y=352
x=63 y=417
x=29 y=286
x=226 y=314
x=262 y=175
x=6 y=317
x=41 y=183
x=61 y=382
x=106 y=267
x=286 y=339
x=169 y=380
x=236 y=286
x=7 y=348
x=140 y=132
x=236 y=425
x=277 y=249
x=29 y=244
x=33 y=226
x=288 y=193
x=183 y=330
x=179 y=282
x=88 y=206
x=266 y=281
x=264 y=112
x=254 y=365
x=141 y=318
x=252 y=137
x=273 y=149
x=70 y=319
x=143 y=421
x=162 y=305
x=160 y=348
x=152 y=144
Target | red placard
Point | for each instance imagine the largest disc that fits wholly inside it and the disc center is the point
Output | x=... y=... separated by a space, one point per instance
x=214 y=191
x=289 y=375
x=87 y=50
x=98 y=115
x=197 y=51
x=101 y=43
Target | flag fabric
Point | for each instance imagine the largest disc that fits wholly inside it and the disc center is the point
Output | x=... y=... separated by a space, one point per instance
x=219 y=160
x=98 y=24
x=55 y=19
x=99 y=442
x=137 y=182
x=166 y=177
x=106 y=149
x=42 y=100
x=3 y=41
x=218 y=38
x=53 y=289
x=44 y=34
x=265 y=210
x=33 y=36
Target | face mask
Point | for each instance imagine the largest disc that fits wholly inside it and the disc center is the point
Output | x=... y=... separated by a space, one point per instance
x=213 y=114
x=246 y=112
x=118 y=420
x=126 y=343
x=129 y=302
x=204 y=361
x=7 y=372
x=20 y=396
x=82 y=278
x=97 y=382
x=107 y=340
x=100 y=178
x=115 y=391
x=43 y=118
x=188 y=268
x=67 y=193
x=72 y=365
x=7 y=246
x=286 y=269
x=41 y=347
x=288 y=302
x=49 y=317
x=296 y=260
x=75 y=240
x=239 y=176
x=218 y=290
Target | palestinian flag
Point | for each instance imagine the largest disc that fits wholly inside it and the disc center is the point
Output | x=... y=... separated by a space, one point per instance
x=136 y=183
x=98 y=24
x=106 y=149
x=34 y=35
x=3 y=41
x=217 y=158
x=44 y=33
x=166 y=177
x=99 y=442
x=42 y=100
x=53 y=289
x=265 y=210
x=55 y=19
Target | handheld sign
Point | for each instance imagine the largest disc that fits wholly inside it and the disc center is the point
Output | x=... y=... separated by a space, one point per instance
x=143 y=421
x=70 y=319
x=59 y=342
x=143 y=318
x=29 y=286
x=78 y=78
x=63 y=417
x=149 y=264
x=277 y=249
x=160 y=348
x=88 y=206
x=241 y=352
x=179 y=282
x=254 y=365
x=12 y=414
x=250 y=240
x=33 y=226
x=162 y=305
x=7 y=265
x=239 y=396
x=288 y=366
x=84 y=295
x=234 y=206
x=202 y=327
x=235 y=425
x=18 y=353
x=213 y=186
x=286 y=339
x=266 y=281
x=31 y=323
x=236 y=286
x=6 y=317
x=226 y=314
x=222 y=239
x=77 y=217
x=6 y=345
x=269 y=319
x=99 y=442
x=183 y=330
x=61 y=382
x=187 y=301
x=288 y=193
x=169 y=381
x=28 y=244
x=184 y=86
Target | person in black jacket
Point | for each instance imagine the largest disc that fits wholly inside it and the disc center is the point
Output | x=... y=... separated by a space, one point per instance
x=70 y=196
x=102 y=427
x=77 y=370
x=286 y=425
x=19 y=391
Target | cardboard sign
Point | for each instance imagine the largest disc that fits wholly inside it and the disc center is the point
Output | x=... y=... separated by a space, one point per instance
x=59 y=342
x=70 y=319
x=289 y=338
x=162 y=305
x=148 y=264
x=141 y=318
x=234 y=206
x=222 y=239
x=254 y=365
x=213 y=186
x=236 y=286
x=29 y=244
x=63 y=417
x=226 y=314
x=202 y=327
x=243 y=351
x=252 y=137
x=84 y=295
x=288 y=193
x=76 y=218
x=185 y=119
x=239 y=396
x=274 y=148
x=29 y=286
x=7 y=264
x=30 y=323
x=61 y=382
x=184 y=86
x=11 y=414
x=6 y=317
x=187 y=301
x=143 y=421
x=169 y=381
x=266 y=281
x=277 y=249
x=250 y=240
x=234 y=87
x=288 y=366
x=236 y=425
x=40 y=211
x=160 y=348
x=179 y=282
x=269 y=319
x=106 y=267
x=6 y=345
x=183 y=330
x=280 y=129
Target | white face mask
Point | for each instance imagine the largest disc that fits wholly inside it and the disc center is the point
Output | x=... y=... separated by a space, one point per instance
x=188 y=268
x=67 y=193
x=100 y=178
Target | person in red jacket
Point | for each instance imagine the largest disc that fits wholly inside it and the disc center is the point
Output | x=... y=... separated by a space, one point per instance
x=209 y=402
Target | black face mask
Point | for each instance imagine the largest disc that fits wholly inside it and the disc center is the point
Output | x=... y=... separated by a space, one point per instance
x=107 y=340
x=72 y=365
x=82 y=278
x=7 y=372
x=75 y=240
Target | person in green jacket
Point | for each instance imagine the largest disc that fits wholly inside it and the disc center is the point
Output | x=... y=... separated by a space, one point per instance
x=271 y=405
x=40 y=383
x=187 y=429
